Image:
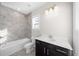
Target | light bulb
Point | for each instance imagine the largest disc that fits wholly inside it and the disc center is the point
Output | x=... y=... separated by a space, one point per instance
x=50 y=10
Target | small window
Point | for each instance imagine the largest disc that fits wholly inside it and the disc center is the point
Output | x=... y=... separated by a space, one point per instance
x=35 y=23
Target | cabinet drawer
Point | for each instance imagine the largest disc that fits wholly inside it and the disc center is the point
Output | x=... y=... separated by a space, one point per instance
x=61 y=50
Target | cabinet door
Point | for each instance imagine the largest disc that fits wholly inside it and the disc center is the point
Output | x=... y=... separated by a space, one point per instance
x=62 y=51
x=44 y=49
x=40 y=49
x=51 y=50
x=56 y=51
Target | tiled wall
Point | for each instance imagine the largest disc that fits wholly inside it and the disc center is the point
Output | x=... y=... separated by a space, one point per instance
x=18 y=25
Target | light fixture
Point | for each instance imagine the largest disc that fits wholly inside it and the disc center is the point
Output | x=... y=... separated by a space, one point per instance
x=50 y=10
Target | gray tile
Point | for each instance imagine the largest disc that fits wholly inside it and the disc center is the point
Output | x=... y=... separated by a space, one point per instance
x=23 y=53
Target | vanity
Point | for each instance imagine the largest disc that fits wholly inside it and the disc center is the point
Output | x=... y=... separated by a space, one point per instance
x=46 y=47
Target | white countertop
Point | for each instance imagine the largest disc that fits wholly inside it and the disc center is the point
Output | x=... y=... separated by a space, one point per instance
x=60 y=43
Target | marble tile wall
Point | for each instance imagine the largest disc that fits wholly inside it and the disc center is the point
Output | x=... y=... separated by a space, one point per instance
x=18 y=24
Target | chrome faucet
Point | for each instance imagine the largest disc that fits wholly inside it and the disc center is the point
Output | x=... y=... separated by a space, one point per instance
x=50 y=36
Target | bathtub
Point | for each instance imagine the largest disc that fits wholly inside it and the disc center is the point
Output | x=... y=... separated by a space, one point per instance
x=11 y=47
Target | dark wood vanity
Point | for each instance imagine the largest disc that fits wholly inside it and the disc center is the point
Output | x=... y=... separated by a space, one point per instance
x=47 y=49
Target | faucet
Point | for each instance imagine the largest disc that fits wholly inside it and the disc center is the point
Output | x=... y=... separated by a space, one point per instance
x=50 y=36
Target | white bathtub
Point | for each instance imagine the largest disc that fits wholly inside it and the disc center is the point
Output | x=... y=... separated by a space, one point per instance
x=12 y=47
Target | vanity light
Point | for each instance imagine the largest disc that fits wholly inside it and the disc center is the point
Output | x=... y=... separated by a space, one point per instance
x=50 y=10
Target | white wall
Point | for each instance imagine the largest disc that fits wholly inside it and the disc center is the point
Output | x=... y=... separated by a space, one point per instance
x=58 y=24
x=76 y=28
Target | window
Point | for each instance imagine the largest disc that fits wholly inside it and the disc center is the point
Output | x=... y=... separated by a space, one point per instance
x=35 y=23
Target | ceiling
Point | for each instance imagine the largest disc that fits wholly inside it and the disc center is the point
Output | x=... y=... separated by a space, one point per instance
x=23 y=7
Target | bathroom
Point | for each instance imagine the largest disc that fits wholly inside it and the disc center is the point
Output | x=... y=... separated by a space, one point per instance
x=38 y=29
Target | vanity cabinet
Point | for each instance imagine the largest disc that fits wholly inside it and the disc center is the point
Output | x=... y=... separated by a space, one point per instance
x=47 y=49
